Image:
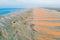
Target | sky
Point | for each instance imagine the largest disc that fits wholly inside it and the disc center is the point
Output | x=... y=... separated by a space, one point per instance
x=29 y=3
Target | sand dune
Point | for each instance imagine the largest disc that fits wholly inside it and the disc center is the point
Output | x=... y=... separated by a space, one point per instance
x=31 y=24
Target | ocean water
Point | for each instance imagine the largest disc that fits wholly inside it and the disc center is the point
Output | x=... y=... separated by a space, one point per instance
x=4 y=11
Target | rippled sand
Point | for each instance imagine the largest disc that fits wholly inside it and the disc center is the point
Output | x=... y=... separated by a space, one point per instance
x=31 y=24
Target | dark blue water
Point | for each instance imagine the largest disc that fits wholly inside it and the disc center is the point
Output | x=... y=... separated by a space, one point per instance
x=4 y=11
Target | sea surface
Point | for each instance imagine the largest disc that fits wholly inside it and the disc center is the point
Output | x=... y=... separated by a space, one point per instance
x=4 y=11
